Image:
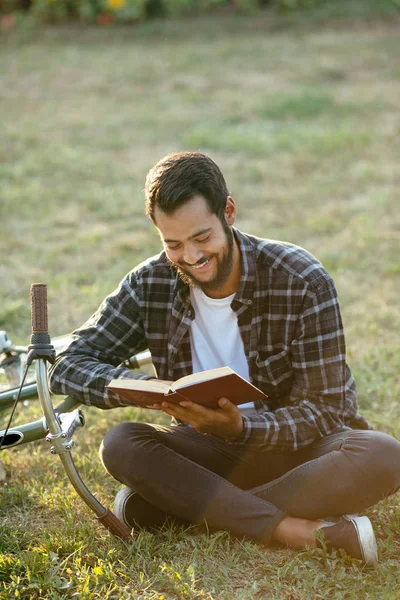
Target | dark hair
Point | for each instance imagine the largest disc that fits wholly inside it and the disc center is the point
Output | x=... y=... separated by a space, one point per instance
x=179 y=177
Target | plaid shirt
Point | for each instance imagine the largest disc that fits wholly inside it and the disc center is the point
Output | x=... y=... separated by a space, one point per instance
x=289 y=320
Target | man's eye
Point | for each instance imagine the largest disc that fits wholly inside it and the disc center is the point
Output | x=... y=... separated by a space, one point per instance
x=204 y=239
x=173 y=247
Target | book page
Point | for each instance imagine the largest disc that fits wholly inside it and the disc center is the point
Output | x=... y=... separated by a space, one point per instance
x=144 y=385
x=201 y=376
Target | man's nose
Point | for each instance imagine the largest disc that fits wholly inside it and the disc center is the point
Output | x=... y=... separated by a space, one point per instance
x=191 y=255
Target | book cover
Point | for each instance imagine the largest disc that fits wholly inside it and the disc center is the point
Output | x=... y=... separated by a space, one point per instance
x=204 y=388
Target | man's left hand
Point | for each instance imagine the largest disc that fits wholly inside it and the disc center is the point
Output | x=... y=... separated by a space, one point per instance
x=225 y=422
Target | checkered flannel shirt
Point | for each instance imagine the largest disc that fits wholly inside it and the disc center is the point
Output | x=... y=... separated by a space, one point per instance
x=289 y=320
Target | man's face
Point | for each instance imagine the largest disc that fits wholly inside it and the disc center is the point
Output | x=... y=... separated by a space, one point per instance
x=198 y=245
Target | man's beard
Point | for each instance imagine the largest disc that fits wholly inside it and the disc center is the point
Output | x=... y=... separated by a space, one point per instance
x=224 y=267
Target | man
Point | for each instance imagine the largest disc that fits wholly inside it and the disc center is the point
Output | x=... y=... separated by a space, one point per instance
x=277 y=471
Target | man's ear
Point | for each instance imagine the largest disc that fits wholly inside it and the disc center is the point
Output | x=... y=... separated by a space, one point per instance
x=230 y=211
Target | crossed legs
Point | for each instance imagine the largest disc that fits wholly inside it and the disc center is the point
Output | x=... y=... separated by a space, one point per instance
x=250 y=491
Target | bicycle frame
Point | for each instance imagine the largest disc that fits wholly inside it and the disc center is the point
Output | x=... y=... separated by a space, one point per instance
x=57 y=424
x=37 y=430
x=12 y=362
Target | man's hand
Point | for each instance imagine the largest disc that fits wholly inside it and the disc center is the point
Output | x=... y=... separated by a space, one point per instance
x=225 y=421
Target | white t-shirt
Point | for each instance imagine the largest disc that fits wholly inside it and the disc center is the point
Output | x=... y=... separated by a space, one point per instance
x=215 y=339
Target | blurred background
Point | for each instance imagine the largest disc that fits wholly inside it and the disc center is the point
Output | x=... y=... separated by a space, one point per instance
x=296 y=100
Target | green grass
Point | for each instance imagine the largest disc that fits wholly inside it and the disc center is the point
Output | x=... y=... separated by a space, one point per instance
x=301 y=112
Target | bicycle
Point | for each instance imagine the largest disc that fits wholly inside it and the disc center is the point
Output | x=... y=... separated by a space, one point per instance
x=20 y=382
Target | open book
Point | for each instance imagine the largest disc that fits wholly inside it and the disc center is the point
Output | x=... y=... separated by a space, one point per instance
x=205 y=388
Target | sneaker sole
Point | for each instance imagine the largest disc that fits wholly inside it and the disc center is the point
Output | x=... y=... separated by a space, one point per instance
x=119 y=505
x=366 y=537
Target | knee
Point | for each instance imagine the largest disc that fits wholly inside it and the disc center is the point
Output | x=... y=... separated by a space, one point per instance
x=382 y=460
x=121 y=443
x=389 y=450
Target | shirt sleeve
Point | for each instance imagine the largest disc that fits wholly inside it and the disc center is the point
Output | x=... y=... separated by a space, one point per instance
x=114 y=333
x=323 y=393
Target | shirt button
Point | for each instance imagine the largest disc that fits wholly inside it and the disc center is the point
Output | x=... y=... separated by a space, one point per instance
x=249 y=302
x=189 y=312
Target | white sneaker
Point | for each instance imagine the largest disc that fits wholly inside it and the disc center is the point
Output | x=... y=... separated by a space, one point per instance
x=355 y=535
x=132 y=509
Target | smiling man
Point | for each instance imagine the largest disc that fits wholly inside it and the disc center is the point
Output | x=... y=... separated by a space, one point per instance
x=281 y=470
x=209 y=257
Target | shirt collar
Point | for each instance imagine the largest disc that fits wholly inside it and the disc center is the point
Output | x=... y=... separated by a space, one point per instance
x=181 y=289
x=245 y=292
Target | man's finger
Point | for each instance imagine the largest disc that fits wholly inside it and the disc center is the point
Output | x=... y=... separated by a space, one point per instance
x=226 y=405
x=176 y=410
x=196 y=409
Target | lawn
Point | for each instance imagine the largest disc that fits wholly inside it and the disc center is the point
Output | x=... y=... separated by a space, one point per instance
x=302 y=115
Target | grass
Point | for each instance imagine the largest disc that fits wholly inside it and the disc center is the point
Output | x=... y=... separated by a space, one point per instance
x=302 y=115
